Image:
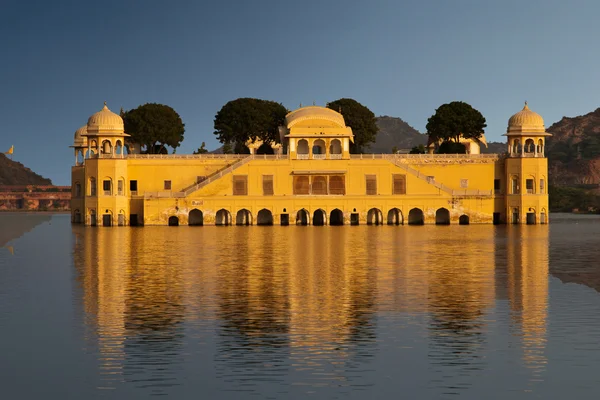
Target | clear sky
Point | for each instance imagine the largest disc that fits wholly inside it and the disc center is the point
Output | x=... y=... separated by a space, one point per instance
x=60 y=60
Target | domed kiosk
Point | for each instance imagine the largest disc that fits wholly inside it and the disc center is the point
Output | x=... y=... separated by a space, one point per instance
x=106 y=134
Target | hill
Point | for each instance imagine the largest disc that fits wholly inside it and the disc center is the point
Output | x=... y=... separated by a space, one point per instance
x=394 y=132
x=15 y=173
x=574 y=150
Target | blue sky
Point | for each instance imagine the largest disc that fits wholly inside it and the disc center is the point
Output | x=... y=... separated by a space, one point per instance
x=60 y=60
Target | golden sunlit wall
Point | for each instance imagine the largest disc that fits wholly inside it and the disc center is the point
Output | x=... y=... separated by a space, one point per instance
x=316 y=185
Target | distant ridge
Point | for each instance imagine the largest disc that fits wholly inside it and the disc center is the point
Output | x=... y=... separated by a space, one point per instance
x=15 y=173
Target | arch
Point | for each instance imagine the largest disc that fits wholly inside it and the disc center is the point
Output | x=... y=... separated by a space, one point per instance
x=195 y=218
x=76 y=216
x=243 y=217
x=516 y=147
x=107 y=186
x=107 y=147
x=463 y=219
x=416 y=217
x=121 y=218
x=442 y=216
x=319 y=218
x=318 y=146
x=529 y=146
x=173 y=220
x=395 y=217
x=264 y=217
x=119 y=148
x=374 y=217
x=223 y=217
x=92 y=185
x=540 y=147
x=335 y=147
x=336 y=217
x=302 y=217
x=514 y=184
x=93 y=217
x=543 y=216
x=302 y=146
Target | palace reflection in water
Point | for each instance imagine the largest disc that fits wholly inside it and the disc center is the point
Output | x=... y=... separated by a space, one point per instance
x=271 y=309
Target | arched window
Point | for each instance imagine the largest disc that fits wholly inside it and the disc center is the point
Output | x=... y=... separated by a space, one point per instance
x=540 y=148
x=106 y=147
x=302 y=148
x=92 y=187
x=516 y=147
x=335 y=147
x=514 y=184
x=319 y=147
x=529 y=146
x=119 y=148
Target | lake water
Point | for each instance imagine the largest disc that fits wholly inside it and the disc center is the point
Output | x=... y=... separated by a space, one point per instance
x=256 y=312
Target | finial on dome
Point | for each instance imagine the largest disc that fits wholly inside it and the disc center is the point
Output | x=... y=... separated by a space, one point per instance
x=526 y=107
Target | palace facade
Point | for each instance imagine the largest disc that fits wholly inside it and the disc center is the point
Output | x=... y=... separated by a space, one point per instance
x=312 y=179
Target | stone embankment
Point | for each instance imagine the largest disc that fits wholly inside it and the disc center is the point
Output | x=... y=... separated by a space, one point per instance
x=35 y=198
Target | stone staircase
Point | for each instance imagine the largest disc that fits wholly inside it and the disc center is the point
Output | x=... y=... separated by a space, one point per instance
x=216 y=175
x=440 y=186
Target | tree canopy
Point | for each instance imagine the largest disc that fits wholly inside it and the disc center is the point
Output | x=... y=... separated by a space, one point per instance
x=453 y=120
x=248 y=118
x=154 y=126
x=360 y=119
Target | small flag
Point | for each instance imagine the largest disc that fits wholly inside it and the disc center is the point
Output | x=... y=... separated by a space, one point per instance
x=11 y=250
x=11 y=150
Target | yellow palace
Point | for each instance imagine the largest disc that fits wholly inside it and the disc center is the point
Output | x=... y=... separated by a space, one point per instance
x=311 y=180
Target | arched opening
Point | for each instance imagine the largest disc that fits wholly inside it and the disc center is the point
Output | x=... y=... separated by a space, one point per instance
x=121 y=218
x=92 y=191
x=374 y=217
x=93 y=219
x=516 y=147
x=76 y=217
x=243 y=217
x=463 y=220
x=529 y=146
x=416 y=217
x=302 y=217
x=173 y=221
x=514 y=185
x=302 y=146
x=319 y=218
x=395 y=217
x=540 y=148
x=223 y=218
x=318 y=147
x=531 y=217
x=543 y=217
x=336 y=217
x=335 y=147
x=195 y=218
x=264 y=217
x=442 y=217
x=119 y=148
x=106 y=147
x=265 y=148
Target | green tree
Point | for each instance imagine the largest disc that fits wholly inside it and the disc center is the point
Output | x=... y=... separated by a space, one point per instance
x=360 y=119
x=453 y=120
x=247 y=118
x=154 y=126
x=394 y=149
x=201 y=149
x=420 y=149
x=227 y=148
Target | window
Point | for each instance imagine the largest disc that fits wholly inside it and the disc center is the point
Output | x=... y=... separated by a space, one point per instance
x=371 y=181
x=92 y=187
x=542 y=186
x=120 y=187
x=514 y=185
x=106 y=187
x=167 y=185
x=240 y=185
x=319 y=185
x=399 y=184
x=267 y=185
x=464 y=183
x=301 y=184
x=497 y=186
x=337 y=185
x=133 y=187
x=77 y=189
x=529 y=185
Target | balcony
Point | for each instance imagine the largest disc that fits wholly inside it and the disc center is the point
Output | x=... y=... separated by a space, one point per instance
x=319 y=156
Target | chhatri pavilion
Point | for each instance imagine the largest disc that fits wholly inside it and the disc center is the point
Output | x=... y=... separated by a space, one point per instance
x=312 y=179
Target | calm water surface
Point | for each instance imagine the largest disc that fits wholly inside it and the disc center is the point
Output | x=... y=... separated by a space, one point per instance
x=293 y=312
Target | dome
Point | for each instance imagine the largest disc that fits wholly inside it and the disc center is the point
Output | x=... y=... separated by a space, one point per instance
x=105 y=121
x=80 y=140
x=526 y=121
x=315 y=113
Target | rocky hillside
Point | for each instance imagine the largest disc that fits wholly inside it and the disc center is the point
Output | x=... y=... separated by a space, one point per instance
x=574 y=150
x=394 y=132
x=15 y=173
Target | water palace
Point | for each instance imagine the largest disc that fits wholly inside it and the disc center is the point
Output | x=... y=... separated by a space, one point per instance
x=312 y=179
